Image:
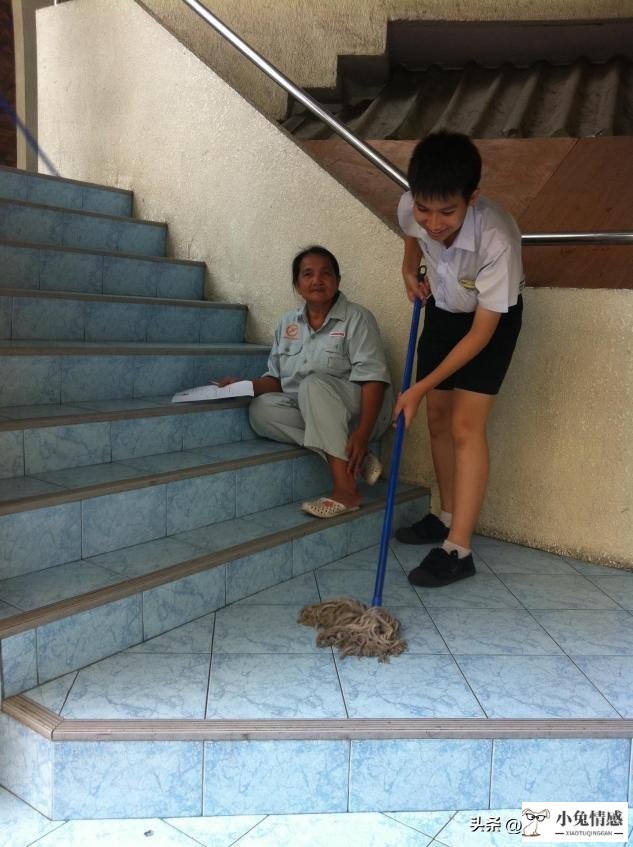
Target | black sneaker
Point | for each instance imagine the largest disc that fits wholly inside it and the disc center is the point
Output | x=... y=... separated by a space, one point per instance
x=441 y=568
x=427 y=531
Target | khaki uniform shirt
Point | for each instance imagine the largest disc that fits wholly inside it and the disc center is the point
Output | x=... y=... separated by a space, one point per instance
x=347 y=346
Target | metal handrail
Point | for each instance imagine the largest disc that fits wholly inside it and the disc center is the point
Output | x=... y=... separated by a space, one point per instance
x=367 y=150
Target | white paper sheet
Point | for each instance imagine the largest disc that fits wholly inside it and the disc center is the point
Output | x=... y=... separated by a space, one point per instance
x=214 y=392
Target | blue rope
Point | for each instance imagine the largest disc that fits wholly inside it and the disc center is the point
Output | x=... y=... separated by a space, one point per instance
x=395 y=462
x=5 y=106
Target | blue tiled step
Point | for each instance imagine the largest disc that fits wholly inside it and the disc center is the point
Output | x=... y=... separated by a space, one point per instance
x=51 y=268
x=98 y=317
x=69 y=372
x=136 y=593
x=262 y=722
x=69 y=193
x=24 y=221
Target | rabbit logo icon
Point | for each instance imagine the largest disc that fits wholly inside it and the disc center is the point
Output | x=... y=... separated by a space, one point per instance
x=530 y=828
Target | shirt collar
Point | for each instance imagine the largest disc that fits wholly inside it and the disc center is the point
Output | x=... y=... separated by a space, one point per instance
x=338 y=312
x=466 y=236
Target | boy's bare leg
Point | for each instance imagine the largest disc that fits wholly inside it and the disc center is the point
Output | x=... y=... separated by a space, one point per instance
x=470 y=416
x=439 y=407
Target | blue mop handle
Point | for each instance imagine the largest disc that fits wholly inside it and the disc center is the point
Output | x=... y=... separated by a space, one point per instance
x=395 y=461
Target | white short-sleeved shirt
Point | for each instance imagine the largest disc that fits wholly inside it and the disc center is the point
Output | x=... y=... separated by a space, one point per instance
x=347 y=346
x=483 y=266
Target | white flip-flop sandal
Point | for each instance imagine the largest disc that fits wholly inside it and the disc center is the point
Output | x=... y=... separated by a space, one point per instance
x=324 y=507
x=371 y=469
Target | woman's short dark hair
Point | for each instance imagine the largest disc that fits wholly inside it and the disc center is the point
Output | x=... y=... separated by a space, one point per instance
x=315 y=250
x=444 y=163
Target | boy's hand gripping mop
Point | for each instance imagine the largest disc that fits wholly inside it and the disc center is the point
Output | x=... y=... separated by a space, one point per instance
x=353 y=627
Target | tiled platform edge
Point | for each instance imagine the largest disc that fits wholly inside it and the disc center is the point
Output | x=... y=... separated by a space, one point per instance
x=100 y=769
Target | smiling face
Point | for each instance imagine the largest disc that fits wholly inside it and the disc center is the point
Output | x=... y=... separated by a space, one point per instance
x=442 y=217
x=317 y=281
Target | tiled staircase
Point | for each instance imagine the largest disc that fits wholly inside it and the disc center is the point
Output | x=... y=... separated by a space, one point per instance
x=123 y=517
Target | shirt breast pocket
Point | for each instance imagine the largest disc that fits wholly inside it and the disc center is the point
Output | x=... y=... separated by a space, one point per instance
x=334 y=359
x=288 y=350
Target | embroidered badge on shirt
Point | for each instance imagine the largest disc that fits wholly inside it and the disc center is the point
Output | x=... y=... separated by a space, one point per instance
x=292 y=330
x=337 y=333
x=468 y=284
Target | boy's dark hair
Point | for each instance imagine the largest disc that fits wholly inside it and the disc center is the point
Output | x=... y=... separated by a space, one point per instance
x=316 y=250
x=444 y=163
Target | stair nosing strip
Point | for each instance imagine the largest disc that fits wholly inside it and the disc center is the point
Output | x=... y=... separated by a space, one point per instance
x=63 y=180
x=57 y=729
x=143 y=349
x=38 y=245
x=85 y=212
x=205 y=561
x=96 y=416
x=147 y=480
x=54 y=294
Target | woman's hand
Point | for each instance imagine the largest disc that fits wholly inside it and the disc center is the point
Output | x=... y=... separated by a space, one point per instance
x=356 y=449
x=408 y=402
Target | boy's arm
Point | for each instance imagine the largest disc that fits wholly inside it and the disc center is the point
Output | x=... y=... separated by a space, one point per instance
x=410 y=264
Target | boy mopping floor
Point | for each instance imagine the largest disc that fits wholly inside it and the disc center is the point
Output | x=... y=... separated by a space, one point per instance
x=472 y=250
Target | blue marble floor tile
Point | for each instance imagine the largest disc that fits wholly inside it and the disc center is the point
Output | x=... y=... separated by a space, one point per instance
x=41 y=588
x=541 y=591
x=43 y=319
x=336 y=581
x=218 y=536
x=199 y=501
x=458 y=832
x=488 y=632
x=268 y=777
x=127 y=779
x=173 y=323
x=533 y=687
x=26 y=223
x=320 y=548
x=20 y=266
x=281 y=517
x=194 y=637
x=296 y=592
x=310 y=477
x=55 y=447
x=52 y=695
x=20 y=185
x=29 y=380
x=106 y=201
x=503 y=557
x=589 y=569
x=182 y=601
x=126 y=276
x=275 y=686
x=11 y=454
x=168 y=462
x=6 y=308
x=85 y=378
x=88 y=475
x=419 y=631
x=123 y=519
x=7 y=611
x=174 y=279
x=73 y=642
x=30 y=541
x=351 y=829
x=19 y=662
x=206 y=429
x=250 y=628
x=365 y=531
x=141 y=686
x=216 y=831
x=162 y=375
x=428 y=774
x=20 y=824
x=428 y=823
x=263 y=486
x=69 y=270
x=590 y=633
x=122 y=833
x=559 y=770
x=145 y=558
x=618 y=586
x=242 y=450
x=260 y=570
x=107 y=321
x=483 y=591
x=143 y=436
x=613 y=676
x=26 y=764
x=409 y=687
x=218 y=325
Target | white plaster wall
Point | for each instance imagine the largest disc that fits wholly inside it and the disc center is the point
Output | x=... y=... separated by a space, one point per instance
x=135 y=109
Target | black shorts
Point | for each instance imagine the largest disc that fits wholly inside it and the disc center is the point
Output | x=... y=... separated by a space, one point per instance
x=483 y=374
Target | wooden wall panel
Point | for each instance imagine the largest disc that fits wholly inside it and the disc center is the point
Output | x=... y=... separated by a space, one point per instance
x=7 y=84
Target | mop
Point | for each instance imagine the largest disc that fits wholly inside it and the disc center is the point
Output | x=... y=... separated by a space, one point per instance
x=355 y=628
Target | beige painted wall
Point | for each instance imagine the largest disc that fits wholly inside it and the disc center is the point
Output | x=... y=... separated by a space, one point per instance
x=315 y=32
x=239 y=194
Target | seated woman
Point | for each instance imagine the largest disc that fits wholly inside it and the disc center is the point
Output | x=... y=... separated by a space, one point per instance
x=327 y=386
